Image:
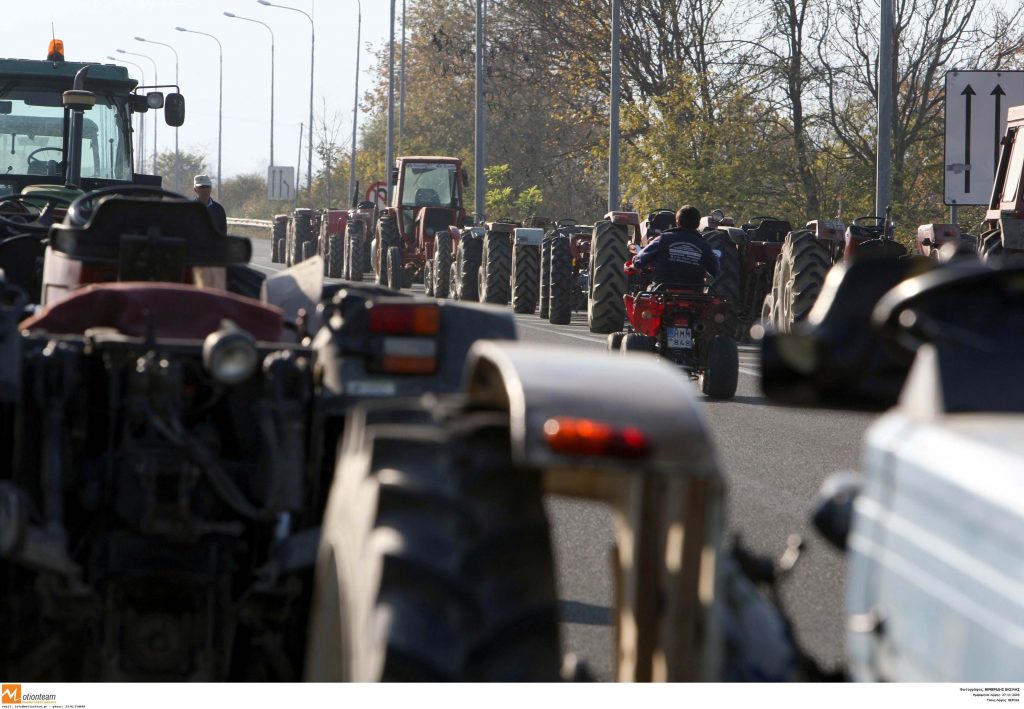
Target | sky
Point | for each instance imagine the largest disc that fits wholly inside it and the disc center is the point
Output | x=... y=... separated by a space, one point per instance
x=93 y=29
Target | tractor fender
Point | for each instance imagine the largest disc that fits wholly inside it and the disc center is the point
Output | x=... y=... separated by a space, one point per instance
x=737 y=235
x=537 y=383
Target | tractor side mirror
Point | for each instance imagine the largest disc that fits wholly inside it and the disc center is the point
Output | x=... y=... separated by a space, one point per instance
x=155 y=99
x=174 y=110
x=6 y=107
x=465 y=178
x=139 y=104
x=394 y=176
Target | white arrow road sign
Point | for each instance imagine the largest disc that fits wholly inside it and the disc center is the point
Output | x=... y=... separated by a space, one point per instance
x=976 y=103
x=279 y=183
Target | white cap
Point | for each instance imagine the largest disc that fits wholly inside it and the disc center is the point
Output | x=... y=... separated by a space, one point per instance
x=202 y=181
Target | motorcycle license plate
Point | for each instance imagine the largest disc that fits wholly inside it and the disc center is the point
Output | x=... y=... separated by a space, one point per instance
x=680 y=338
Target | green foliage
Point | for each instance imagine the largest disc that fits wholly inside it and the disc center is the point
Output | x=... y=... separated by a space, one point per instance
x=503 y=202
x=192 y=164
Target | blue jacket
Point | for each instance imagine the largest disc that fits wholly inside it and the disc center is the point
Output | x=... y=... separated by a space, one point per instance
x=680 y=256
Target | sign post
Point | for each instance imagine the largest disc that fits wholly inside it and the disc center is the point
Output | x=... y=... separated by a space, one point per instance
x=976 y=105
x=280 y=181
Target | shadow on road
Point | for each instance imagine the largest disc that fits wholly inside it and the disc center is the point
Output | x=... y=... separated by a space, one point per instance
x=584 y=613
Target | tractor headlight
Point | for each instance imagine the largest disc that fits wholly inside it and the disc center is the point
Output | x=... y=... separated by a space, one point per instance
x=229 y=354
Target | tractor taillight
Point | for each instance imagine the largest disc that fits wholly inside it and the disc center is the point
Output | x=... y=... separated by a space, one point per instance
x=574 y=436
x=404 y=319
x=408 y=355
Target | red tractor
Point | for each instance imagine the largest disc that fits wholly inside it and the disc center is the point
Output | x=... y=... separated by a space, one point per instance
x=331 y=240
x=808 y=254
x=419 y=232
x=747 y=257
x=356 y=252
x=1004 y=220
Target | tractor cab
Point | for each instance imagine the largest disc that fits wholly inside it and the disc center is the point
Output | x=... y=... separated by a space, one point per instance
x=1005 y=213
x=428 y=197
x=38 y=101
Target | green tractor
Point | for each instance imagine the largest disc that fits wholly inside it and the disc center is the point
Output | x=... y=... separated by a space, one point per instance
x=65 y=129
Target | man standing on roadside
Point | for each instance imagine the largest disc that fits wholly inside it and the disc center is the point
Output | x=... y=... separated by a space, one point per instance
x=203 y=187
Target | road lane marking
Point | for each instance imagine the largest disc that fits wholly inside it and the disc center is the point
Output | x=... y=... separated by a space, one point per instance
x=602 y=340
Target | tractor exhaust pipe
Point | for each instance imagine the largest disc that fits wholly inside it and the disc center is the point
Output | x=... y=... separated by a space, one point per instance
x=78 y=100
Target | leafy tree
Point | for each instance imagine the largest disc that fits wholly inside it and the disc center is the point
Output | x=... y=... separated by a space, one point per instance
x=192 y=164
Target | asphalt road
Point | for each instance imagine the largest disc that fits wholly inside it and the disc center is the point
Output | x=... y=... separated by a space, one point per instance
x=774 y=459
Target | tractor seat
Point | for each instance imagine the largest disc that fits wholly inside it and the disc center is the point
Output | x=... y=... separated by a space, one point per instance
x=427 y=196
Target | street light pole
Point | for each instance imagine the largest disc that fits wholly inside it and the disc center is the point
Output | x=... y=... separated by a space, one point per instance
x=220 y=100
x=355 y=110
x=481 y=120
x=401 y=87
x=312 y=59
x=390 y=152
x=883 y=169
x=613 y=127
x=271 y=31
x=141 y=167
x=156 y=80
x=177 y=155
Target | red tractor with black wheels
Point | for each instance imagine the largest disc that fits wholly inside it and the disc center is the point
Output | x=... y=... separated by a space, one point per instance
x=417 y=236
x=331 y=241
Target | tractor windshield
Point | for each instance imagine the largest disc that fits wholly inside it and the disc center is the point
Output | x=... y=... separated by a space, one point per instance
x=33 y=129
x=430 y=185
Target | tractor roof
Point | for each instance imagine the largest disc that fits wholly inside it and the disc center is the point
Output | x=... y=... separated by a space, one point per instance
x=1015 y=115
x=63 y=73
x=428 y=158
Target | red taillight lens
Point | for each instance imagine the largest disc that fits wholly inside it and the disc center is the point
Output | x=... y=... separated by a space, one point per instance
x=574 y=436
x=404 y=319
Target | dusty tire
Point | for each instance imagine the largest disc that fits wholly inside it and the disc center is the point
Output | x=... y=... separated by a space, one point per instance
x=729 y=284
x=525 y=278
x=442 y=264
x=563 y=287
x=289 y=244
x=393 y=268
x=545 y=277
x=635 y=342
x=335 y=255
x=805 y=263
x=280 y=237
x=606 y=310
x=354 y=249
x=721 y=375
x=308 y=250
x=436 y=562
x=496 y=269
x=428 y=279
x=615 y=341
x=470 y=256
x=387 y=238
x=991 y=250
x=767 y=314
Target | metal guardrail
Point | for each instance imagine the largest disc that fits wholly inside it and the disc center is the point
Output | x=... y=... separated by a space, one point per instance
x=264 y=223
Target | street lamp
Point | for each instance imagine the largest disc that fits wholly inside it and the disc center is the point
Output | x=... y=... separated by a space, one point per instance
x=141 y=167
x=312 y=58
x=220 y=99
x=249 y=19
x=355 y=109
x=156 y=80
x=177 y=155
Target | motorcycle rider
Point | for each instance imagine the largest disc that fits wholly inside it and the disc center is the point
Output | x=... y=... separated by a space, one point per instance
x=679 y=256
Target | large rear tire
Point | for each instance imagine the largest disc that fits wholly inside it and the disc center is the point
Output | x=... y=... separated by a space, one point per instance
x=354 y=249
x=471 y=250
x=387 y=238
x=335 y=255
x=805 y=263
x=442 y=264
x=563 y=287
x=436 y=562
x=308 y=249
x=545 y=276
x=525 y=278
x=428 y=278
x=606 y=310
x=729 y=284
x=496 y=268
x=393 y=269
x=615 y=341
x=720 y=377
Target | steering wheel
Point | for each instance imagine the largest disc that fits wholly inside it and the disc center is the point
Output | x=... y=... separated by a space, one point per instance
x=82 y=208
x=754 y=222
x=30 y=218
x=870 y=222
x=31 y=159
